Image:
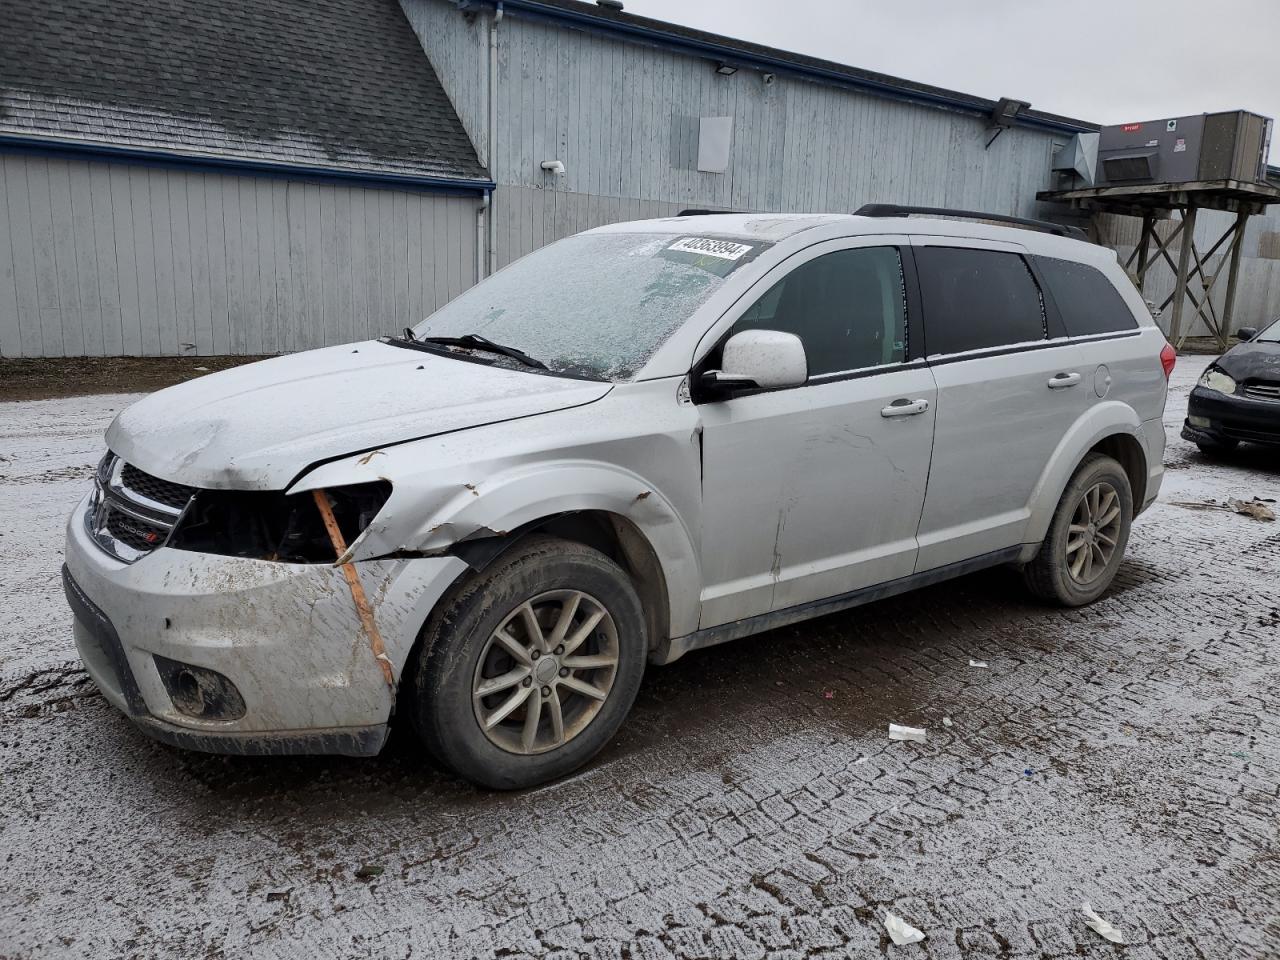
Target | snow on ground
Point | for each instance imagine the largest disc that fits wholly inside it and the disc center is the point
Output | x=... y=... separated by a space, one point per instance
x=1127 y=754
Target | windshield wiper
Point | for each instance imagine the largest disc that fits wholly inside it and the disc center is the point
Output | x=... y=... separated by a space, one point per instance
x=473 y=341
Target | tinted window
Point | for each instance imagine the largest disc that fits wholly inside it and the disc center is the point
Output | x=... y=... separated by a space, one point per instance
x=848 y=307
x=1085 y=298
x=977 y=298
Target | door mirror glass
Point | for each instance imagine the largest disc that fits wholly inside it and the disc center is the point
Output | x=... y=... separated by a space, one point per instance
x=1246 y=333
x=765 y=359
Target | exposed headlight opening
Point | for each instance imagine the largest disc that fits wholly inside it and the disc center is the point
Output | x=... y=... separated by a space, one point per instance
x=276 y=526
x=1215 y=379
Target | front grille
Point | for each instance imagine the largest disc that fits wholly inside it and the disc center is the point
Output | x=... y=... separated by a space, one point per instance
x=136 y=534
x=131 y=512
x=1262 y=390
x=170 y=494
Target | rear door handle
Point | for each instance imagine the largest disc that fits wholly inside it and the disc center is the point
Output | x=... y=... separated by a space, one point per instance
x=1063 y=380
x=905 y=408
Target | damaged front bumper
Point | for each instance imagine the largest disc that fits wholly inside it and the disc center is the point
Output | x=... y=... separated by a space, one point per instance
x=1213 y=417
x=233 y=655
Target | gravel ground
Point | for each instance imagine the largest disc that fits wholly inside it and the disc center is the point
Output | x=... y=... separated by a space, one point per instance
x=1127 y=754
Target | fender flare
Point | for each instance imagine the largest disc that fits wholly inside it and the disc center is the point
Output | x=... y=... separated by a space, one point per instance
x=1103 y=420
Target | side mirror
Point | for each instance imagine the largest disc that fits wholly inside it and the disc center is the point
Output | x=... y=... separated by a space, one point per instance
x=1246 y=333
x=765 y=359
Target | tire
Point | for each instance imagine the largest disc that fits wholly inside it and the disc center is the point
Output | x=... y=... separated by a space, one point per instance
x=1052 y=575
x=461 y=654
x=1217 y=448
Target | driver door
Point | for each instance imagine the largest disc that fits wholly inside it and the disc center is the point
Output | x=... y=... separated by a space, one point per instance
x=814 y=491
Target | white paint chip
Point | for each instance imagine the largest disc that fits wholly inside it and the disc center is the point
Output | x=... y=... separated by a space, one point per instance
x=946 y=722
x=980 y=664
x=901 y=932
x=1103 y=928
x=906 y=733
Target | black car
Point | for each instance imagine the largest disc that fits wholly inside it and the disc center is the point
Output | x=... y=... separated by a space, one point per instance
x=1238 y=396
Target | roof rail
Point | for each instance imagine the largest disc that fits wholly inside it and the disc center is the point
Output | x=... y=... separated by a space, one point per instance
x=894 y=210
x=696 y=212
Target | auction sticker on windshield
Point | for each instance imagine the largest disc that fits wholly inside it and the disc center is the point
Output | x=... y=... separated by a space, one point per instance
x=705 y=246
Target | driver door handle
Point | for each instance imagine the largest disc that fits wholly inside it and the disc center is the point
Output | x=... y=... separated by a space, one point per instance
x=1064 y=380
x=905 y=408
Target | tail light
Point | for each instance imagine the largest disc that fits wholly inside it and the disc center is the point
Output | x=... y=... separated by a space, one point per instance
x=1168 y=357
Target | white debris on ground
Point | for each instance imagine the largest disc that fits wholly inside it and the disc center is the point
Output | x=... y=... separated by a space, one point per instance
x=897 y=732
x=1104 y=928
x=901 y=932
x=980 y=664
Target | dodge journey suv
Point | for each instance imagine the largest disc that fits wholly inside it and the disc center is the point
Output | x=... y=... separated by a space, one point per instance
x=639 y=441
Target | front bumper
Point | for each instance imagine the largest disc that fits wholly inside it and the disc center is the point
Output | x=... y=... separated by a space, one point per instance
x=1231 y=417
x=286 y=635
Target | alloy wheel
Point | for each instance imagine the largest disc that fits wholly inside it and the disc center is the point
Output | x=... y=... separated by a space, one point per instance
x=1093 y=533
x=545 y=672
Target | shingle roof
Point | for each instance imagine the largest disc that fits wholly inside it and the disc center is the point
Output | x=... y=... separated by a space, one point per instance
x=322 y=83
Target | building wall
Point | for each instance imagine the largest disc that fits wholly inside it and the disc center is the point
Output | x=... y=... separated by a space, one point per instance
x=103 y=258
x=623 y=117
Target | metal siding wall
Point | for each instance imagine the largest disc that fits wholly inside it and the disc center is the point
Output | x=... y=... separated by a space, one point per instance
x=111 y=259
x=624 y=120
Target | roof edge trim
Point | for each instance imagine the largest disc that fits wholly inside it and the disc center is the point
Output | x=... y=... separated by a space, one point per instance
x=703 y=48
x=89 y=149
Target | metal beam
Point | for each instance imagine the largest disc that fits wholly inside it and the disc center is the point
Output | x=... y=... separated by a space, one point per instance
x=1188 y=230
x=1233 y=276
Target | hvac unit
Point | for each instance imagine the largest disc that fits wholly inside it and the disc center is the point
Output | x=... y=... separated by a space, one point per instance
x=1208 y=146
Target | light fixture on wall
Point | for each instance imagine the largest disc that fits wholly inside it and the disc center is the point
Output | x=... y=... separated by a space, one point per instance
x=1003 y=116
x=726 y=69
x=554 y=167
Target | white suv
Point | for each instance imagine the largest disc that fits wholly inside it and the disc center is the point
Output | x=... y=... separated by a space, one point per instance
x=642 y=440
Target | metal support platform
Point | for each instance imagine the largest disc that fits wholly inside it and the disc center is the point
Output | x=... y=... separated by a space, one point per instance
x=1192 y=278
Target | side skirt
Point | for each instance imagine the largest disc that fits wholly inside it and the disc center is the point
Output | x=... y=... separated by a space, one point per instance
x=676 y=647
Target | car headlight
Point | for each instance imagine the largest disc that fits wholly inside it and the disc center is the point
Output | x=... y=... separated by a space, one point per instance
x=1215 y=379
x=273 y=526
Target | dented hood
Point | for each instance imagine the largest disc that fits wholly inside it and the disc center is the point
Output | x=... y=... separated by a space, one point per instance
x=260 y=425
x=1255 y=360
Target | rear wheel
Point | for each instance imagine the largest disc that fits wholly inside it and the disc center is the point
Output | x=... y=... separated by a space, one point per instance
x=530 y=669
x=1087 y=537
x=1217 y=448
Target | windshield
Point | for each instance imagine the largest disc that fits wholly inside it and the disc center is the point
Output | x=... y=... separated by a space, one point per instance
x=595 y=305
x=1272 y=333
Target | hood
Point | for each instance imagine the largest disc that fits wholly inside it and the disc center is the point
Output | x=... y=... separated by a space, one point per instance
x=1256 y=360
x=258 y=426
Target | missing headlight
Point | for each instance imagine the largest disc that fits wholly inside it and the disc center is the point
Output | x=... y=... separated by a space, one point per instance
x=276 y=526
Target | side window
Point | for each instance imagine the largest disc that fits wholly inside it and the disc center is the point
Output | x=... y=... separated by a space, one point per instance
x=848 y=307
x=975 y=299
x=1085 y=297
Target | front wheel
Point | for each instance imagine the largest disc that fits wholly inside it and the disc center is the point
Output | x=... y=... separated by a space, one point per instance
x=530 y=669
x=1087 y=537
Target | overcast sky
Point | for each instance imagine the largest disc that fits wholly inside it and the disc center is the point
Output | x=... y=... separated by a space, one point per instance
x=1107 y=61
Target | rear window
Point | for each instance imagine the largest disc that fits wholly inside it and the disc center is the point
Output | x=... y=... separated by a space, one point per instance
x=976 y=299
x=1087 y=300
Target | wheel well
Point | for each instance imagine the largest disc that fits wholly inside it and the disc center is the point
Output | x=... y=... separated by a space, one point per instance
x=622 y=542
x=613 y=535
x=1127 y=452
